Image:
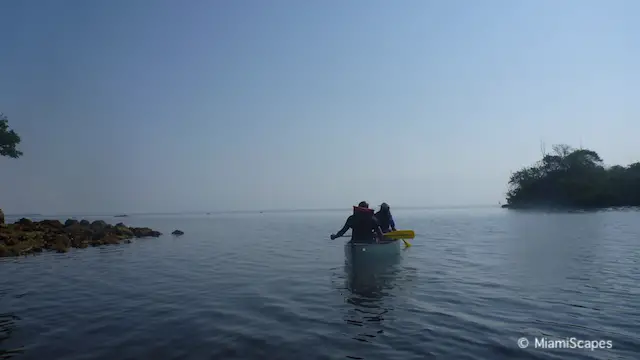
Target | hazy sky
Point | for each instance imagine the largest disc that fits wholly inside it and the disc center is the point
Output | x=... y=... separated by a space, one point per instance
x=132 y=105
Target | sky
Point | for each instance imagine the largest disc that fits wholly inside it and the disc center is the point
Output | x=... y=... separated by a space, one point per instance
x=130 y=106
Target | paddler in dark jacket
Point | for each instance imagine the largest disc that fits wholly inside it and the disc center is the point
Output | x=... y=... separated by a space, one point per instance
x=385 y=219
x=364 y=226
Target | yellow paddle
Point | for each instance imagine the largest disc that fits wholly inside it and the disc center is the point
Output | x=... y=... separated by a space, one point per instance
x=401 y=235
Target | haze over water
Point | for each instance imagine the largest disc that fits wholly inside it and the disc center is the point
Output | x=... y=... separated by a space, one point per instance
x=273 y=286
x=165 y=106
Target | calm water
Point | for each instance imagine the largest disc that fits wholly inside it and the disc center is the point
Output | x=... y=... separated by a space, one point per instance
x=273 y=286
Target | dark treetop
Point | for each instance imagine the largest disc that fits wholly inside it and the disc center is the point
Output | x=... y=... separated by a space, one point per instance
x=574 y=178
x=9 y=140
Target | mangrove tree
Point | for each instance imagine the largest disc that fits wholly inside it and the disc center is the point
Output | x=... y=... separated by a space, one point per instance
x=574 y=178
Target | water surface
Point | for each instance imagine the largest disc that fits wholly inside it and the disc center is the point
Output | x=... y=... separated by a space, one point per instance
x=273 y=286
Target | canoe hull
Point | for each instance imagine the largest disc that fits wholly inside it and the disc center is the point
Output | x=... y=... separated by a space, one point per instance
x=388 y=249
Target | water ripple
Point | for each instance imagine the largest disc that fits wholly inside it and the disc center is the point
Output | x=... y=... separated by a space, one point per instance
x=276 y=288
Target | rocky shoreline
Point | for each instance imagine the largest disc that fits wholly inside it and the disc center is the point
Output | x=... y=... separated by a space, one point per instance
x=27 y=237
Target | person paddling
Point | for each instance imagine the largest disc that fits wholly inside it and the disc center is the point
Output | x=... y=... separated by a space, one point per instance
x=385 y=219
x=363 y=225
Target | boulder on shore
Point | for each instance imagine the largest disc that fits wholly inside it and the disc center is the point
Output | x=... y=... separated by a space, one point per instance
x=25 y=236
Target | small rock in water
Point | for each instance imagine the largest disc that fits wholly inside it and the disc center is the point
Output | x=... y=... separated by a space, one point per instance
x=177 y=232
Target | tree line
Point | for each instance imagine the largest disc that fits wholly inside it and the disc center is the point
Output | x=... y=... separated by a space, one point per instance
x=574 y=178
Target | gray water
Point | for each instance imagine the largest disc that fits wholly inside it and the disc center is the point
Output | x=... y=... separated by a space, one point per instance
x=273 y=286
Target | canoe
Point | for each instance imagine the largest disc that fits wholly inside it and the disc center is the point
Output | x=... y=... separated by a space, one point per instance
x=376 y=250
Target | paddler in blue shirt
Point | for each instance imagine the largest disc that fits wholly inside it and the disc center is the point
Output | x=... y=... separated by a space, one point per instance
x=364 y=226
x=385 y=219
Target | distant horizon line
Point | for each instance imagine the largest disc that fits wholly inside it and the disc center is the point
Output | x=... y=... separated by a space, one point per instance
x=205 y=212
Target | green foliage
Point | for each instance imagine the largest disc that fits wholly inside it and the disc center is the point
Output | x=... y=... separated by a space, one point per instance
x=574 y=178
x=9 y=140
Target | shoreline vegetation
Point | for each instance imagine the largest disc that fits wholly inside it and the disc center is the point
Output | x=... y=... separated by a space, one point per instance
x=572 y=179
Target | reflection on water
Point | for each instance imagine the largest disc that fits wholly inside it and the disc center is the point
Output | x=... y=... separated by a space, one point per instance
x=7 y=325
x=369 y=278
x=369 y=282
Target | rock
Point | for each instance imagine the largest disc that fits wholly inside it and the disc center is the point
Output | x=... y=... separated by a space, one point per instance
x=25 y=236
x=177 y=232
x=62 y=243
x=123 y=215
x=1 y=217
x=52 y=224
x=78 y=232
x=4 y=251
x=61 y=249
x=70 y=222
x=111 y=240
x=123 y=232
x=98 y=225
x=99 y=235
x=144 y=232
x=25 y=222
x=63 y=240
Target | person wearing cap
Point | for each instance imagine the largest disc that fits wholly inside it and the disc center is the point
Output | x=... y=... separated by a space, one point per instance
x=385 y=219
x=364 y=226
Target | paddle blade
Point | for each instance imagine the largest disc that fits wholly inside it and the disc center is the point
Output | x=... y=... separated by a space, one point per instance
x=400 y=234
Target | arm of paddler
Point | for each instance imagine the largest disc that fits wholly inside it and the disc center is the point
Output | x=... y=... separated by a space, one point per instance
x=347 y=226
